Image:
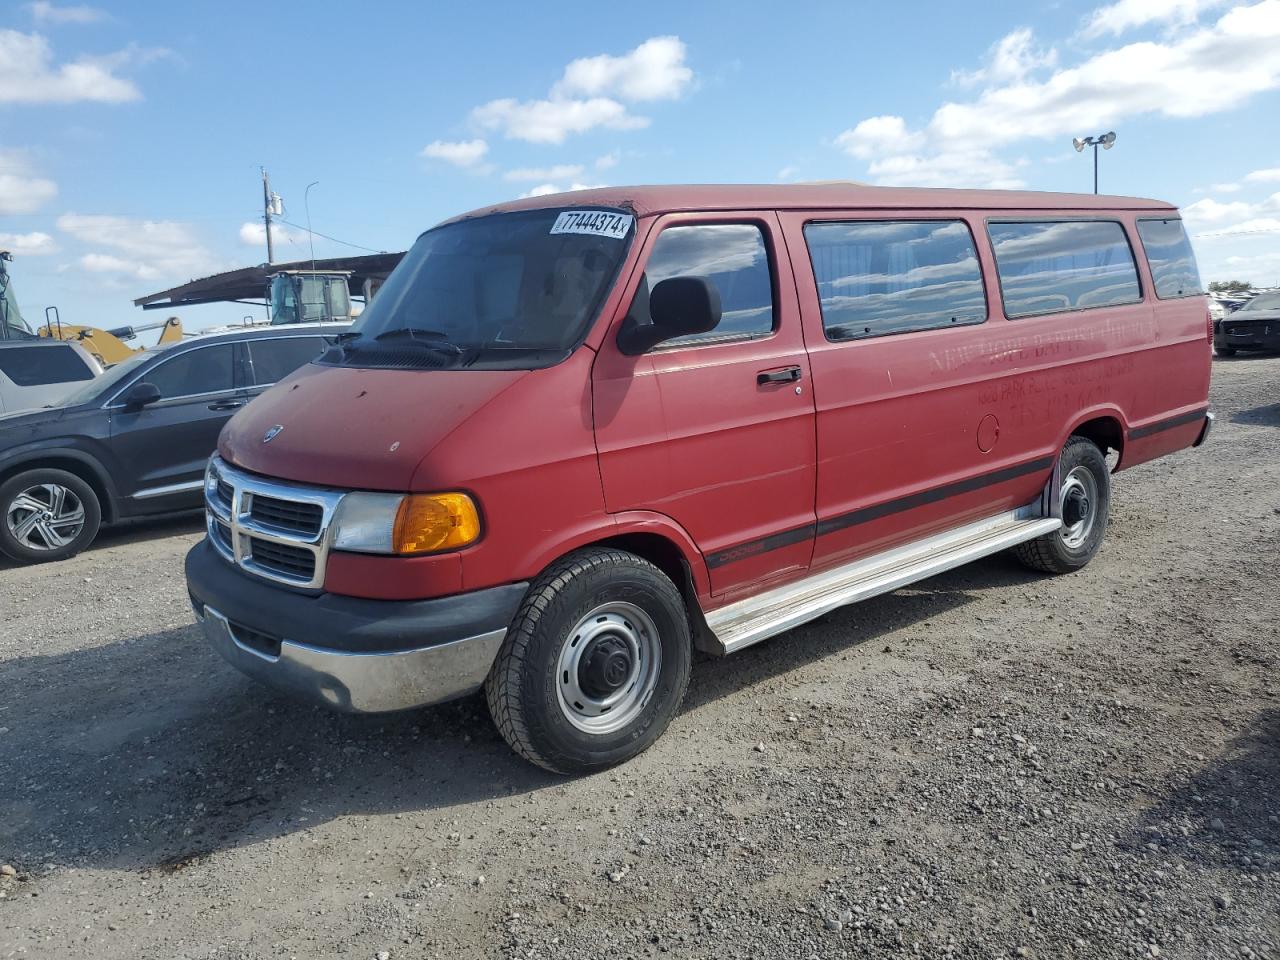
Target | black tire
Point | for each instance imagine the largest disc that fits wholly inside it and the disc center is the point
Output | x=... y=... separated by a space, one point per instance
x=526 y=684
x=1224 y=351
x=1057 y=552
x=28 y=480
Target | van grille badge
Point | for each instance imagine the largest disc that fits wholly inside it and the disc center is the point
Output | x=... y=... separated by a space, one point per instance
x=272 y=433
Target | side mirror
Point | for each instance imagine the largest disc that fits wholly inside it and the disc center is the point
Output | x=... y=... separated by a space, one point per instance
x=678 y=307
x=141 y=395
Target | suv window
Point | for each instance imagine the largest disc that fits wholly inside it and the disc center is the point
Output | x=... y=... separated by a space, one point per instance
x=1052 y=266
x=275 y=359
x=203 y=370
x=877 y=277
x=733 y=257
x=1169 y=254
x=37 y=366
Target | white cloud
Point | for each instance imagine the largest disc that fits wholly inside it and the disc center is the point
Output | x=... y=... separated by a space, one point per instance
x=877 y=136
x=28 y=74
x=545 y=189
x=786 y=174
x=21 y=190
x=608 y=160
x=1264 y=176
x=1205 y=71
x=593 y=92
x=559 y=172
x=146 y=249
x=44 y=12
x=551 y=121
x=254 y=234
x=1128 y=14
x=655 y=70
x=1209 y=210
x=1224 y=188
x=32 y=244
x=461 y=153
x=1010 y=59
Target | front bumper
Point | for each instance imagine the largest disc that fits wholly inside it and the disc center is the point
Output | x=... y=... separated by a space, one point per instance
x=350 y=654
x=1248 y=334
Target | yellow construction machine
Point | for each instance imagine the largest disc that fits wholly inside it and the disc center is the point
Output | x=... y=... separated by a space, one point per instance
x=110 y=346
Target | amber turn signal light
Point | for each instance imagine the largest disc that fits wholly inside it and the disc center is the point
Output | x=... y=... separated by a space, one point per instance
x=430 y=522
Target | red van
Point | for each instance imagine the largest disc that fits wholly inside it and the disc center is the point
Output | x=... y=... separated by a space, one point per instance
x=576 y=436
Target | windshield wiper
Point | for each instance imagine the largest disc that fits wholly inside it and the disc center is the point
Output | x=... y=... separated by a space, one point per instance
x=413 y=333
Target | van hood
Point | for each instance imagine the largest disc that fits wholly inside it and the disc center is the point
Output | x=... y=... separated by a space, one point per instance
x=354 y=428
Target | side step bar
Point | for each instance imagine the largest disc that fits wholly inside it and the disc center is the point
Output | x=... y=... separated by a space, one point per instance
x=749 y=621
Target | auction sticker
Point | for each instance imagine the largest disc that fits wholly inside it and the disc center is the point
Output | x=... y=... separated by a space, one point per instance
x=594 y=223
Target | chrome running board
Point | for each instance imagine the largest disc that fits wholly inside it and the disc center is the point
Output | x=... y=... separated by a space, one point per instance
x=749 y=621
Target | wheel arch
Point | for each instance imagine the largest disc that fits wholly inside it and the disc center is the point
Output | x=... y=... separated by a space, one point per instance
x=74 y=462
x=1105 y=427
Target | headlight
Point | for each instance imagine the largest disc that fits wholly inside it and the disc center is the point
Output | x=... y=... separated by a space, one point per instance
x=390 y=523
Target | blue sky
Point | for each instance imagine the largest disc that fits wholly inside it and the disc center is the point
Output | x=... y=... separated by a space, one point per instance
x=131 y=133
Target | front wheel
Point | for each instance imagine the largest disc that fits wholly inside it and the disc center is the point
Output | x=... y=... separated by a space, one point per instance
x=1086 y=504
x=595 y=664
x=47 y=515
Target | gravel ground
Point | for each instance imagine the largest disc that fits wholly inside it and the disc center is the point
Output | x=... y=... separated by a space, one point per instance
x=989 y=764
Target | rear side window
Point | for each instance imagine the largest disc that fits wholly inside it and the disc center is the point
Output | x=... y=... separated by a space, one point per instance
x=732 y=256
x=199 y=371
x=877 y=277
x=39 y=366
x=1173 y=264
x=275 y=359
x=1052 y=266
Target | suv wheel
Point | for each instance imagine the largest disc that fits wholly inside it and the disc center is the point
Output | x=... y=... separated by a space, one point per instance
x=595 y=664
x=1086 y=504
x=47 y=515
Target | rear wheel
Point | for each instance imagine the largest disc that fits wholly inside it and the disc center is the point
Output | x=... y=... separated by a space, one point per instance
x=1086 y=504
x=594 y=666
x=47 y=515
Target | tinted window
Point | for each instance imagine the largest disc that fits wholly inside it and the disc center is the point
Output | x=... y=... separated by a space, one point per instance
x=733 y=257
x=877 y=276
x=1063 y=265
x=203 y=370
x=1173 y=265
x=274 y=360
x=38 y=366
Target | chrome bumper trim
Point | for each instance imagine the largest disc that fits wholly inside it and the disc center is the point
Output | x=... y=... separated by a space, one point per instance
x=1209 y=420
x=361 y=682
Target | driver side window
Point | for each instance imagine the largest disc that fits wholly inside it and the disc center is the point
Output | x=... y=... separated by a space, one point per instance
x=204 y=370
x=733 y=256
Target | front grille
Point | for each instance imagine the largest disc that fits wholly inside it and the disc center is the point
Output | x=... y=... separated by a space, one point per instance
x=222 y=490
x=290 y=561
x=268 y=528
x=287 y=514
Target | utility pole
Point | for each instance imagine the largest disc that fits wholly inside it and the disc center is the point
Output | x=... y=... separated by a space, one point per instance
x=271 y=203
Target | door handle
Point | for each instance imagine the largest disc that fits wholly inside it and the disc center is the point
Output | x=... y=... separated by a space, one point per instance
x=780 y=375
x=226 y=405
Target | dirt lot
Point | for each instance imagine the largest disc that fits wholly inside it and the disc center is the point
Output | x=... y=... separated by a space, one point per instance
x=990 y=764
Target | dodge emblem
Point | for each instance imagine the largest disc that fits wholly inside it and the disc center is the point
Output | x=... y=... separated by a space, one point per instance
x=272 y=433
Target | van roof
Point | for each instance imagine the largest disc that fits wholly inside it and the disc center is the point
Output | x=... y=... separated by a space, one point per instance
x=646 y=200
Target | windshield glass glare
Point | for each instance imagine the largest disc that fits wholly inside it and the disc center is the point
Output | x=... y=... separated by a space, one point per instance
x=529 y=281
x=1263 y=301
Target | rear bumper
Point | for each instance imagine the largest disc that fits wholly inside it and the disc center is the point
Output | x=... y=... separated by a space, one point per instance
x=350 y=654
x=1255 y=335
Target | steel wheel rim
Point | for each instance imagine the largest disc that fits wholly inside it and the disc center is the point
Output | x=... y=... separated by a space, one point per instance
x=1079 y=483
x=45 y=517
x=614 y=626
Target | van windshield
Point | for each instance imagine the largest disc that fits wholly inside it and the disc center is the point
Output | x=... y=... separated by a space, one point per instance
x=513 y=290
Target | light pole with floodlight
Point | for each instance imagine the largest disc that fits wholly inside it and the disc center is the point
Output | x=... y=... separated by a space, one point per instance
x=1106 y=141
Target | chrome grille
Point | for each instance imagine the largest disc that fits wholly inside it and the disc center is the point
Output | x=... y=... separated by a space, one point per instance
x=275 y=530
